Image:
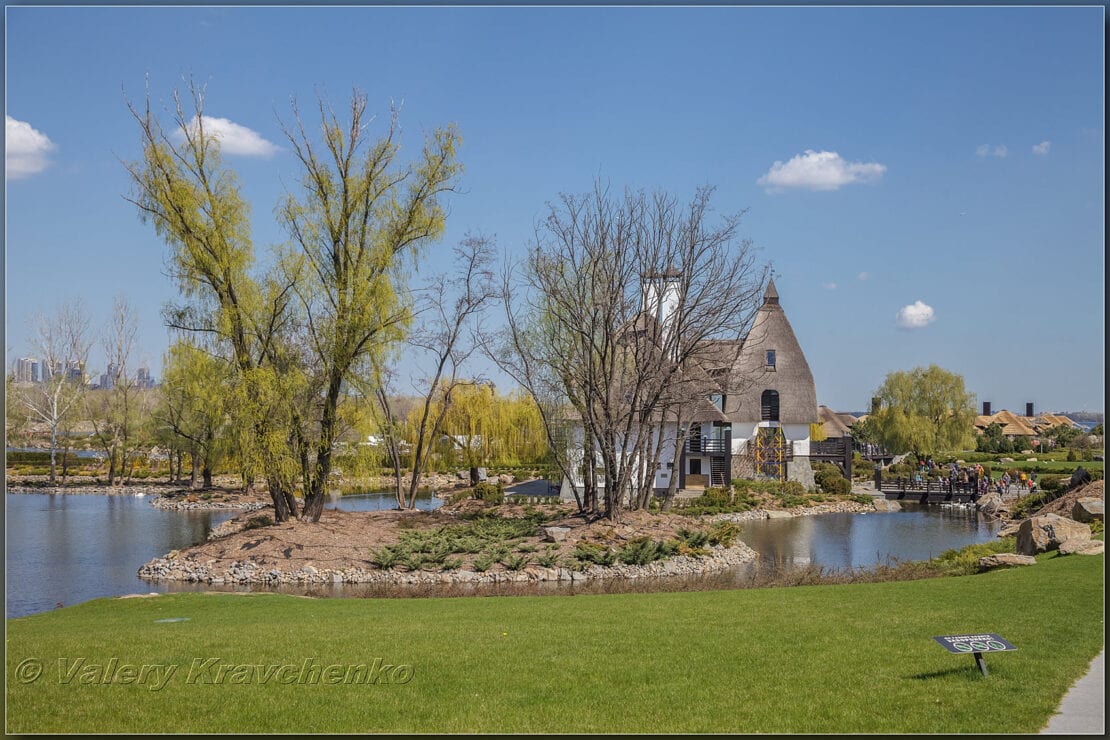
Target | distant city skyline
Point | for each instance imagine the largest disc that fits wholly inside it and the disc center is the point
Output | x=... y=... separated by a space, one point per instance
x=927 y=182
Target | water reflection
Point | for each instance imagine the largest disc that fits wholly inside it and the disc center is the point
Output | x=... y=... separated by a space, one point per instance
x=838 y=541
x=70 y=548
x=378 y=501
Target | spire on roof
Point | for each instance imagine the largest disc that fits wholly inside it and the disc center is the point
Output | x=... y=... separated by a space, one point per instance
x=771 y=296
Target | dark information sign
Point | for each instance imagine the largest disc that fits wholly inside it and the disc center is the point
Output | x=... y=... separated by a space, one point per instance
x=989 y=643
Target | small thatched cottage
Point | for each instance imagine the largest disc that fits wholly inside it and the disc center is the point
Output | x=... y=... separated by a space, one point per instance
x=835 y=425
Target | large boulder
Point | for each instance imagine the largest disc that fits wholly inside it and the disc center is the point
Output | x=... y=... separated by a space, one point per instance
x=992 y=504
x=1077 y=546
x=1087 y=509
x=882 y=504
x=1080 y=477
x=1048 y=532
x=555 y=534
x=1009 y=529
x=1005 y=560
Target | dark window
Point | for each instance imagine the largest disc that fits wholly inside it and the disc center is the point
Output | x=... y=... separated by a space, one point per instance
x=770 y=358
x=769 y=406
x=695 y=466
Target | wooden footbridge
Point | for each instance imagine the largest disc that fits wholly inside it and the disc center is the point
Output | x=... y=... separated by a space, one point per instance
x=927 y=492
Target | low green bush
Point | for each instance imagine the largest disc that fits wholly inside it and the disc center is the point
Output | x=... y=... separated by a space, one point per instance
x=641 y=551
x=484 y=562
x=516 y=562
x=723 y=533
x=547 y=560
x=830 y=480
x=965 y=561
x=693 y=538
x=587 y=552
x=490 y=493
x=385 y=557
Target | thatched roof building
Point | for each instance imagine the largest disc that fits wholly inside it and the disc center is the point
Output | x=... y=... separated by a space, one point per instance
x=834 y=424
x=771 y=360
x=1012 y=424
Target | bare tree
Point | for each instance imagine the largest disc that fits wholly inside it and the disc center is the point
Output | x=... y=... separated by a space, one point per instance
x=446 y=315
x=623 y=300
x=62 y=343
x=113 y=410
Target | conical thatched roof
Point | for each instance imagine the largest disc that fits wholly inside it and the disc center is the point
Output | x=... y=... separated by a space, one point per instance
x=790 y=376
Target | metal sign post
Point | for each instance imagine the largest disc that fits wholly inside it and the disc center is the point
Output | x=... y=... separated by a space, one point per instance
x=976 y=645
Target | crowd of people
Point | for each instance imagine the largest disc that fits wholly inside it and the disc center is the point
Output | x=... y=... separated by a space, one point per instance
x=975 y=475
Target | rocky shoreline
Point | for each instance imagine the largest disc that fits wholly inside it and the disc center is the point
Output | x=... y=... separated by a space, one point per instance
x=836 y=507
x=85 y=490
x=243 y=572
x=172 y=568
x=167 y=503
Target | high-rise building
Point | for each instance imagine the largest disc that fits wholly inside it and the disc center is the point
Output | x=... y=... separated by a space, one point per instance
x=24 y=370
x=143 y=379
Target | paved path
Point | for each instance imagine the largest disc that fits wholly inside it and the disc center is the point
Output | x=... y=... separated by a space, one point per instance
x=1083 y=710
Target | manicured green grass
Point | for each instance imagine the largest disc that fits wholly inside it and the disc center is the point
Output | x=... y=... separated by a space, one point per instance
x=839 y=659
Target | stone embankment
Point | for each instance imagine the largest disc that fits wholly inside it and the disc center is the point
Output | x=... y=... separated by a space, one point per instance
x=835 y=507
x=173 y=568
x=191 y=503
x=83 y=489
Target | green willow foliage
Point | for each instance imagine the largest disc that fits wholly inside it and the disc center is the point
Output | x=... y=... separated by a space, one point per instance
x=925 y=410
x=334 y=297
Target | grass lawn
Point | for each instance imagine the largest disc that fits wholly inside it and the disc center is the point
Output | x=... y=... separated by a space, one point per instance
x=841 y=659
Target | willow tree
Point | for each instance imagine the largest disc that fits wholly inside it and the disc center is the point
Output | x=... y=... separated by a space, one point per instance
x=194 y=203
x=194 y=406
x=361 y=219
x=924 y=410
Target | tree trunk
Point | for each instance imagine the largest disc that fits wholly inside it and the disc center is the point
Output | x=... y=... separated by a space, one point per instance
x=111 y=466
x=277 y=495
x=53 y=454
x=314 y=497
x=676 y=461
x=206 y=469
x=195 y=474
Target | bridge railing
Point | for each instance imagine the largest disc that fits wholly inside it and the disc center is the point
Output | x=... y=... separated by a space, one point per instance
x=948 y=487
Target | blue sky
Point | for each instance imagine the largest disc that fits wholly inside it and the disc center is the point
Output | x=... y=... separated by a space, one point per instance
x=927 y=182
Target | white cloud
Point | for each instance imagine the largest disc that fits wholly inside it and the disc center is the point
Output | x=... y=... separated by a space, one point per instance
x=1042 y=148
x=25 y=149
x=915 y=315
x=864 y=276
x=988 y=150
x=819 y=171
x=234 y=139
x=828 y=286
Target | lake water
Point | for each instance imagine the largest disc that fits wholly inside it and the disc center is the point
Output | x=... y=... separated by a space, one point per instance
x=66 y=548
x=71 y=548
